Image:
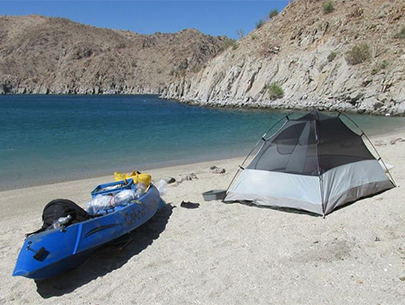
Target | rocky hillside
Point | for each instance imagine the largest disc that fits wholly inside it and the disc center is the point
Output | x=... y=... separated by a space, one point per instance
x=55 y=55
x=350 y=56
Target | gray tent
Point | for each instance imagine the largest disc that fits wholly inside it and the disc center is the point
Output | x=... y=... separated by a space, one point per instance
x=314 y=163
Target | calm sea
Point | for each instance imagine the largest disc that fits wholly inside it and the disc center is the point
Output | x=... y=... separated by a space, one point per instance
x=46 y=139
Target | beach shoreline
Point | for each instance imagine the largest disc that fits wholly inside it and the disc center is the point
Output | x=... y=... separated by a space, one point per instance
x=223 y=253
x=399 y=131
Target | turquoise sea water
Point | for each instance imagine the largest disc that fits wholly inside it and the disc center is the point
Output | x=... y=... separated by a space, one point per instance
x=49 y=138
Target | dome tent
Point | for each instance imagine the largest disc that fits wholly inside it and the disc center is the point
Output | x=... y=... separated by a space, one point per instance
x=314 y=163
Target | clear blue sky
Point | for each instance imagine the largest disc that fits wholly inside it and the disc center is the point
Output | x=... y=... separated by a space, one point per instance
x=147 y=17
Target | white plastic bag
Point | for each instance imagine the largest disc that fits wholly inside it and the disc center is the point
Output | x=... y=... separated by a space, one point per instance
x=124 y=197
x=99 y=202
x=140 y=190
x=107 y=201
x=162 y=187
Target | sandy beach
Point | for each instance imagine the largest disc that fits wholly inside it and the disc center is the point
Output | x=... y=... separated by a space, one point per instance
x=223 y=253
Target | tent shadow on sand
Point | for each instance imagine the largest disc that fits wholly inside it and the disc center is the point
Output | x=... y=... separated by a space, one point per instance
x=110 y=257
x=276 y=208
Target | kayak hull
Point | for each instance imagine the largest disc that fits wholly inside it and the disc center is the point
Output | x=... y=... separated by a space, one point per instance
x=50 y=253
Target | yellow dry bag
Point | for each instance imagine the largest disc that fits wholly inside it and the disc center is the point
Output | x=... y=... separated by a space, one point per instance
x=122 y=176
x=144 y=178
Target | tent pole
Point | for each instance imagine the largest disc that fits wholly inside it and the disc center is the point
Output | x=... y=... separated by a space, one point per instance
x=241 y=166
x=376 y=151
x=318 y=168
x=227 y=189
x=254 y=147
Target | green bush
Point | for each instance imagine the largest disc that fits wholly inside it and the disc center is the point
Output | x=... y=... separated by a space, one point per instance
x=229 y=43
x=375 y=70
x=275 y=91
x=328 y=7
x=384 y=64
x=273 y=13
x=260 y=23
x=235 y=45
x=378 y=68
x=197 y=68
x=400 y=34
x=331 y=56
x=358 y=54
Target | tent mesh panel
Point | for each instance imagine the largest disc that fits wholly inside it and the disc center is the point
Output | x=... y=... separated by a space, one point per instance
x=311 y=145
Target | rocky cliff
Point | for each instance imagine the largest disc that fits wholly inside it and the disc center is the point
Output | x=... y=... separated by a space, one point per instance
x=55 y=55
x=350 y=58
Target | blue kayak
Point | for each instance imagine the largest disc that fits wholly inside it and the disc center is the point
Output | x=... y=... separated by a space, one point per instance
x=52 y=252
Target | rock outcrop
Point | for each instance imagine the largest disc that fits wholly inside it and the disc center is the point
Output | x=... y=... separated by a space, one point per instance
x=350 y=59
x=311 y=56
x=55 y=55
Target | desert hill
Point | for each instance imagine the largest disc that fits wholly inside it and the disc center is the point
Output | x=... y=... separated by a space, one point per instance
x=55 y=55
x=350 y=57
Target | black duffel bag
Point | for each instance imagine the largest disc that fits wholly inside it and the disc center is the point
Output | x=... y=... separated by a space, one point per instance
x=58 y=208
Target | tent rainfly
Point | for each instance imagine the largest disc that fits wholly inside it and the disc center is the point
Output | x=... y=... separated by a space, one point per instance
x=314 y=163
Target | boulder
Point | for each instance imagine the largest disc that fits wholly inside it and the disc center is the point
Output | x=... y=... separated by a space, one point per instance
x=393 y=141
x=191 y=176
x=219 y=170
x=169 y=180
